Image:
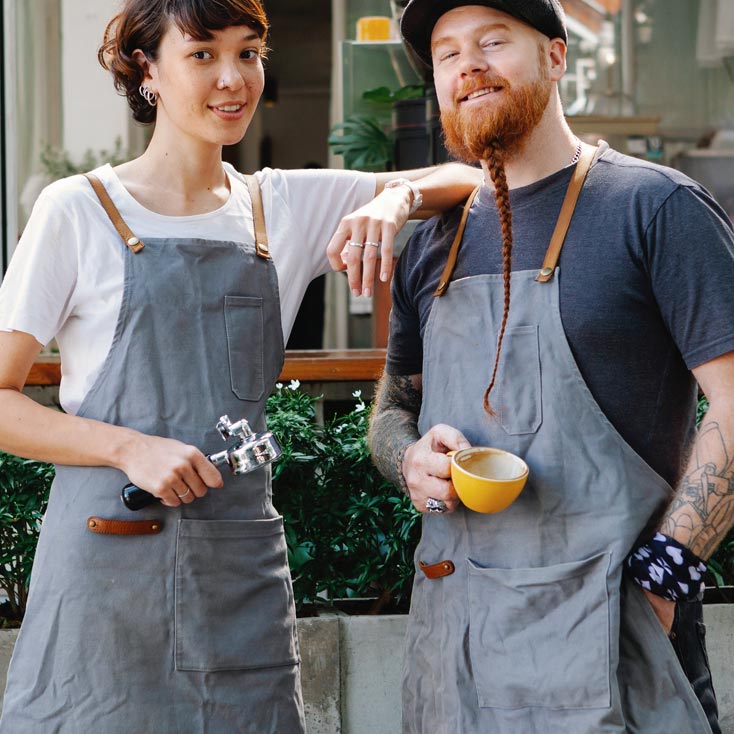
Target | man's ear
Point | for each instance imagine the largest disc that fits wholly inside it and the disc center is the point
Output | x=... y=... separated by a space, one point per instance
x=556 y=59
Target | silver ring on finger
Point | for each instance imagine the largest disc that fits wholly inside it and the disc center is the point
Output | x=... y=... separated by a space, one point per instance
x=352 y=243
x=436 y=506
x=185 y=494
x=372 y=244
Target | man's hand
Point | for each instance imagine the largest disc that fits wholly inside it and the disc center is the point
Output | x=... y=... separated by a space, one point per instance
x=664 y=610
x=427 y=469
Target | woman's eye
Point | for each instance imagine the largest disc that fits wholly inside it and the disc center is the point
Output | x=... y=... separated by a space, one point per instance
x=201 y=55
x=250 y=54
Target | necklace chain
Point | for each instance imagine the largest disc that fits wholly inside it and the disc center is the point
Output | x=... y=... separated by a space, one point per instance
x=576 y=155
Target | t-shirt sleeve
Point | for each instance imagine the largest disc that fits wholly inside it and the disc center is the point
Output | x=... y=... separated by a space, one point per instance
x=691 y=259
x=405 y=342
x=316 y=200
x=36 y=292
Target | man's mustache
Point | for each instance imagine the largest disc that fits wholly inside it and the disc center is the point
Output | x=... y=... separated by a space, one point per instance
x=480 y=82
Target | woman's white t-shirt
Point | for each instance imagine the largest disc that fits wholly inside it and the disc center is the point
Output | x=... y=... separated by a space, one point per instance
x=65 y=279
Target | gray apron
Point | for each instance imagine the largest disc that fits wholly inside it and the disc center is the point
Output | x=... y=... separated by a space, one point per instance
x=189 y=628
x=535 y=631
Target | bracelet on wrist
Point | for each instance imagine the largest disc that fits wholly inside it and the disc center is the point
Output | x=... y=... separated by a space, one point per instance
x=665 y=567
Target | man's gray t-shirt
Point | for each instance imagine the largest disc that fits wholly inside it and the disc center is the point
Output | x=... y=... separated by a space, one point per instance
x=646 y=289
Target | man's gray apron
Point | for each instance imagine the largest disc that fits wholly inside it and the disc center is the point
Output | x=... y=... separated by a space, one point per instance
x=535 y=632
x=190 y=629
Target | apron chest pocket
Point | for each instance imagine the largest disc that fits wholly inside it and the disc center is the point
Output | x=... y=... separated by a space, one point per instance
x=233 y=596
x=521 y=409
x=540 y=636
x=243 y=319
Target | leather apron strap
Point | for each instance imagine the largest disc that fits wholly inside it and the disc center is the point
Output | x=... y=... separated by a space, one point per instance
x=559 y=234
x=443 y=284
x=258 y=217
x=564 y=218
x=131 y=241
x=136 y=245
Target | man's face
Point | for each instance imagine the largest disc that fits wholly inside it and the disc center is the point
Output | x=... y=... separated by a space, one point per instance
x=492 y=80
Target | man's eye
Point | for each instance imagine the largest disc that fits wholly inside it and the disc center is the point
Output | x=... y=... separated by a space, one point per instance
x=250 y=54
x=201 y=55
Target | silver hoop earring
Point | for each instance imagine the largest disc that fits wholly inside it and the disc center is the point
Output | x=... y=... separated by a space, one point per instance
x=148 y=95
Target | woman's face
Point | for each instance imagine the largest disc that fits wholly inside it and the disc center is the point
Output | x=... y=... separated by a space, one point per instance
x=207 y=90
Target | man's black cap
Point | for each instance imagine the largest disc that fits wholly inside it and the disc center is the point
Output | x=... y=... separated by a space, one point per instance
x=420 y=16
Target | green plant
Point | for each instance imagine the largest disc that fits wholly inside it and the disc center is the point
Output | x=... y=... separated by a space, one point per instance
x=387 y=98
x=349 y=533
x=363 y=143
x=57 y=163
x=362 y=139
x=24 y=488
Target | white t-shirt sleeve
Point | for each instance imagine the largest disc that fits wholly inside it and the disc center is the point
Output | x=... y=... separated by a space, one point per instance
x=36 y=292
x=315 y=201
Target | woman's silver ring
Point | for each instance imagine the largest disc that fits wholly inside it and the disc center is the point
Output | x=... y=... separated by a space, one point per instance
x=437 y=506
x=350 y=243
x=185 y=494
x=372 y=244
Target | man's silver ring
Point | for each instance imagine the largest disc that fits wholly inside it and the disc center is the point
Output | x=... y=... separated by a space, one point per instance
x=185 y=494
x=437 y=506
x=372 y=244
x=351 y=243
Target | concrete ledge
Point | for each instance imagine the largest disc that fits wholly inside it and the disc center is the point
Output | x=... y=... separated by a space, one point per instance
x=352 y=669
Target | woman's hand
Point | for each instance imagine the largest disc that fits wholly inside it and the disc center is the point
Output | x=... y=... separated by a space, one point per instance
x=172 y=471
x=366 y=231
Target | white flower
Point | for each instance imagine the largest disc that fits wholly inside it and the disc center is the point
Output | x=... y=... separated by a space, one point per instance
x=357 y=394
x=279 y=385
x=295 y=384
x=359 y=408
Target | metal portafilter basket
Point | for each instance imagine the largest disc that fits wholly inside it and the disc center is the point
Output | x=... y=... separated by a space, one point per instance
x=252 y=451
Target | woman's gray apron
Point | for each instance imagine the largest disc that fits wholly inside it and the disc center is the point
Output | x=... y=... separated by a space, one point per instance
x=536 y=631
x=190 y=629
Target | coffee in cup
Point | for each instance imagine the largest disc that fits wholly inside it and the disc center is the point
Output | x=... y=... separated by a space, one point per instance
x=487 y=479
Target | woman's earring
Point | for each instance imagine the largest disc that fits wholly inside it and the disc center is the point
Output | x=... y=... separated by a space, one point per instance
x=149 y=96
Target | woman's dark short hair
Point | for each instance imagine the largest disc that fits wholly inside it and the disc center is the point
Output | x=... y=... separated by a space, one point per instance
x=142 y=23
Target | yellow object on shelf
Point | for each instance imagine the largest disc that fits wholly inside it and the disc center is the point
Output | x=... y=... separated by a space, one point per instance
x=373 y=28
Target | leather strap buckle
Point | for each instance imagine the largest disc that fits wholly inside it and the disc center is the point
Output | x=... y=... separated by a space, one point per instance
x=124 y=527
x=437 y=570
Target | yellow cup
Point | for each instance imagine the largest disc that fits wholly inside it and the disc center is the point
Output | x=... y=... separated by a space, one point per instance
x=486 y=479
x=373 y=28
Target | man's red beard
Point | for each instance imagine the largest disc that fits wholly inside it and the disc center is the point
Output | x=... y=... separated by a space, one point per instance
x=504 y=122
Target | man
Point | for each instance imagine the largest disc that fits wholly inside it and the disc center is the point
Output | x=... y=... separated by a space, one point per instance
x=576 y=609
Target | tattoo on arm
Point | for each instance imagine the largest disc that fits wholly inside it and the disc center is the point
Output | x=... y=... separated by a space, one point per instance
x=703 y=507
x=394 y=423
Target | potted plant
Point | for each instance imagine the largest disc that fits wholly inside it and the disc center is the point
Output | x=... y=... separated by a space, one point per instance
x=24 y=488
x=350 y=534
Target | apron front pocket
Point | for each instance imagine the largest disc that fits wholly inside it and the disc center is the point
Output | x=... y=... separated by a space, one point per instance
x=243 y=318
x=521 y=408
x=234 y=600
x=540 y=636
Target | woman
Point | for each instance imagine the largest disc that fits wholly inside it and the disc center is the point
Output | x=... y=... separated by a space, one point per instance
x=170 y=308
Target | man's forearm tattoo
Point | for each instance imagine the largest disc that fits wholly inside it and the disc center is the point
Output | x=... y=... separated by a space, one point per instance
x=394 y=424
x=703 y=508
